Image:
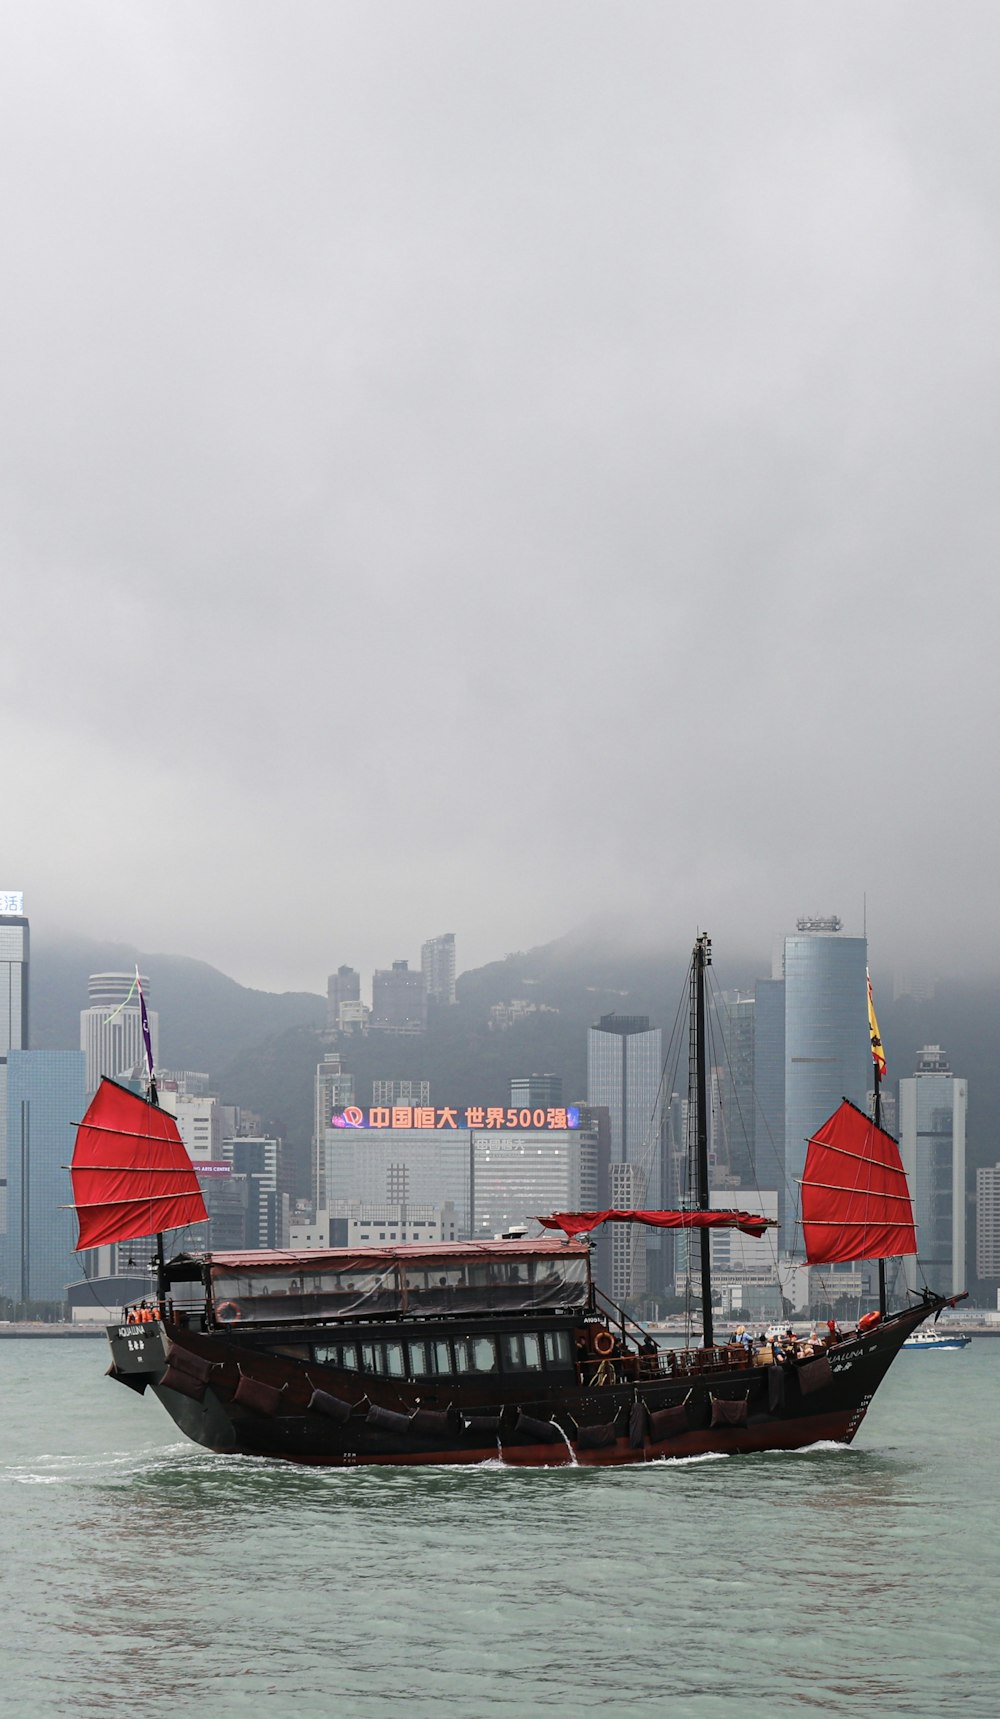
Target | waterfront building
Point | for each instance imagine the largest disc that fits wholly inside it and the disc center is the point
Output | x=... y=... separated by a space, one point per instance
x=437 y=964
x=988 y=1221
x=733 y=1255
x=496 y=1165
x=399 y=1000
x=932 y=1113
x=111 y=1028
x=14 y=995
x=352 y=1223
x=520 y=1177
x=44 y=1101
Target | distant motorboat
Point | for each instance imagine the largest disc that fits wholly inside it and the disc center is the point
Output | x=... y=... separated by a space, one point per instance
x=937 y=1340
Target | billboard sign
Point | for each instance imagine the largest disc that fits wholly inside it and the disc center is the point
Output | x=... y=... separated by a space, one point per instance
x=473 y=1116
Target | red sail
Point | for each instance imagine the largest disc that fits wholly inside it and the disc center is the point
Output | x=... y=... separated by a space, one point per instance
x=576 y=1223
x=131 y=1172
x=855 y=1197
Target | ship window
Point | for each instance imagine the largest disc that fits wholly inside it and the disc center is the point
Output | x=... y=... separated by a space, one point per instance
x=428 y=1357
x=523 y=1352
x=394 y=1360
x=475 y=1355
x=337 y=1355
x=370 y=1357
x=557 y=1350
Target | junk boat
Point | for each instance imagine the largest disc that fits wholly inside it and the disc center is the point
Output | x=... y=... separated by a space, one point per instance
x=461 y=1352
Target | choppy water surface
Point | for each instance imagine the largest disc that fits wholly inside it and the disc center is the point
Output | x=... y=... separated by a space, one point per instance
x=143 y=1575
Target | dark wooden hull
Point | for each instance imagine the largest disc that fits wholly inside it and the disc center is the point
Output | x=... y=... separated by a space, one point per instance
x=250 y=1400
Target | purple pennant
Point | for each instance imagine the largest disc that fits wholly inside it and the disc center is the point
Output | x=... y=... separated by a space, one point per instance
x=146 y=1036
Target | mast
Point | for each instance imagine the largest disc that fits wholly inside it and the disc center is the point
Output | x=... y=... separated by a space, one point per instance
x=154 y=1098
x=877 y=1119
x=878 y=1060
x=700 y=962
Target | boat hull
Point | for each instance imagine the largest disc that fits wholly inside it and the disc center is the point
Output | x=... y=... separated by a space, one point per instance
x=233 y=1399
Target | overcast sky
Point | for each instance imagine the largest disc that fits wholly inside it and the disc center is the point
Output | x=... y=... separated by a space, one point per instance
x=474 y=466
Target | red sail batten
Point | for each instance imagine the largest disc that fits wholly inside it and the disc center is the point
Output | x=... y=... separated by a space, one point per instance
x=577 y=1223
x=855 y=1197
x=131 y=1172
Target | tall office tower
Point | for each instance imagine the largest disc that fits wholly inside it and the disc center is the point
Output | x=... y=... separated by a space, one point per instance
x=769 y=1086
x=624 y=1072
x=399 y=1000
x=629 y=1257
x=334 y=1089
x=14 y=951
x=44 y=1102
x=734 y=1132
x=827 y=1044
x=536 y=1091
x=111 y=1028
x=988 y=1221
x=932 y=1110
x=343 y=986
x=258 y=1158
x=437 y=964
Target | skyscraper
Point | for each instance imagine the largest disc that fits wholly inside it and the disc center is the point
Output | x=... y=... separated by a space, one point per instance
x=343 y=986
x=399 y=1000
x=14 y=967
x=111 y=1027
x=624 y=1069
x=932 y=1111
x=827 y=1044
x=44 y=1102
x=14 y=951
x=437 y=963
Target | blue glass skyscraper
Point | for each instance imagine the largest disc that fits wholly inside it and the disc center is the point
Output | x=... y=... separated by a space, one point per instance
x=827 y=1043
x=44 y=1102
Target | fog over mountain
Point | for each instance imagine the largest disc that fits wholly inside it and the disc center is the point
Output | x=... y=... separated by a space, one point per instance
x=479 y=467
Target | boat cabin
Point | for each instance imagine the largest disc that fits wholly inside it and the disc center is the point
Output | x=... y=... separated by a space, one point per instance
x=477 y=1280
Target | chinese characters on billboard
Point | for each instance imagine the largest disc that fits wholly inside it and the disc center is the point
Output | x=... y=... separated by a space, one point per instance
x=466 y=1116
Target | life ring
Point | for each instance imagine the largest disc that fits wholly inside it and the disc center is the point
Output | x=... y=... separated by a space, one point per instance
x=227 y=1312
x=604 y=1343
x=869 y=1321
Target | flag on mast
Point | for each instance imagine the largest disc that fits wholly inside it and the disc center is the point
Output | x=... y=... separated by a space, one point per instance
x=878 y=1054
x=147 y=1037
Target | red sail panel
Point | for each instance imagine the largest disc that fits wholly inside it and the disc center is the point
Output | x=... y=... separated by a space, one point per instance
x=855 y=1197
x=577 y=1223
x=131 y=1172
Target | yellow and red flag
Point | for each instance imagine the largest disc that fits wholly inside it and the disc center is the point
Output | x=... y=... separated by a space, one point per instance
x=878 y=1054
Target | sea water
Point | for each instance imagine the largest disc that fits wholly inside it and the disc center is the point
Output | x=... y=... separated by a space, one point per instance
x=144 y=1576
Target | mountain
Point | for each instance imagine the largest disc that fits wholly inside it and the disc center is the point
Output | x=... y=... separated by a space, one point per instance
x=206 y=1019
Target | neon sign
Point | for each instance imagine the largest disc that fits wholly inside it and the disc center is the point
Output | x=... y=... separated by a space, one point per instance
x=12 y=902
x=471 y=1116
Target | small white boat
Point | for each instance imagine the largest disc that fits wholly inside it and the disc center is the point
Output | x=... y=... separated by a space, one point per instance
x=937 y=1340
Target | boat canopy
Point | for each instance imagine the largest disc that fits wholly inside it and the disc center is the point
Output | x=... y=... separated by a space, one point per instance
x=131 y=1172
x=439 y=1280
x=577 y=1223
x=855 y=1197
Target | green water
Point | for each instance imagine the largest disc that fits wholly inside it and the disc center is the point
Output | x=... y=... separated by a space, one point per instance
x=144 y=1576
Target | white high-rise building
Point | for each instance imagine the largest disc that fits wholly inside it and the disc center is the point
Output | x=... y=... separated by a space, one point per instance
x=932 y=1113
x=437 y=963
x=111 y=1028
